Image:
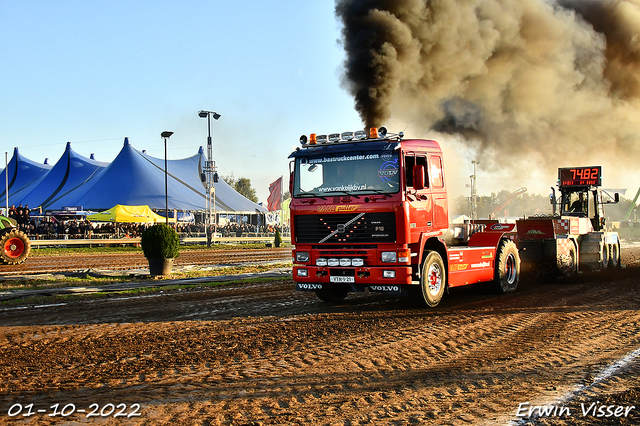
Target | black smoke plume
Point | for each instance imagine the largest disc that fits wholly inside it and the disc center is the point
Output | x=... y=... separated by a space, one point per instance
x=548 y=82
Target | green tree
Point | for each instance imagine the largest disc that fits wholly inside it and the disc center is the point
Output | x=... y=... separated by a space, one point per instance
x=243 y=186
x=230 y=180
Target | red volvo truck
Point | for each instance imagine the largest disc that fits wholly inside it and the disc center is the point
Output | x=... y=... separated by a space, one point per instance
x=369 y=212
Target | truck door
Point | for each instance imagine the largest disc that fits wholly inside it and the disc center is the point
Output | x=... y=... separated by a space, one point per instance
x=420 y=201
x=438 y=192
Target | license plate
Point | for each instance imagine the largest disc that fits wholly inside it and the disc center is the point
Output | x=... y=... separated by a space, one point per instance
x=342 y=279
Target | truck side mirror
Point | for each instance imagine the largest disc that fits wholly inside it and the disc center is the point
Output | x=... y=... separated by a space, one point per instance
x=418 y=177
x=616 y=197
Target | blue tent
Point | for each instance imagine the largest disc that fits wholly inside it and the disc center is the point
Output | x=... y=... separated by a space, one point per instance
x=226 y=198
x=70 y=172
x=24 y=174
x=135 y=178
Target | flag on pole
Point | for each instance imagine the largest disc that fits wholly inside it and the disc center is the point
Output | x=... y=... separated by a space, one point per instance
x=274 y=202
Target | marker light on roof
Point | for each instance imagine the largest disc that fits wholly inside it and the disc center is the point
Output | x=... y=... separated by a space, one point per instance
x=322 y=138
x=334 y=137
x=347 y=136
x=373 y=133
x=312 y=139
x=361 y=134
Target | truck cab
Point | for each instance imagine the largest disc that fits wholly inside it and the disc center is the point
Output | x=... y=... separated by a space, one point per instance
x=368 y=209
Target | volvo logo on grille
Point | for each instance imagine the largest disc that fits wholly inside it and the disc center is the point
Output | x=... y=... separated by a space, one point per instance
x=341 y=228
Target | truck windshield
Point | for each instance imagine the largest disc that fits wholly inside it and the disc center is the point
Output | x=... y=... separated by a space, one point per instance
x=370 y=172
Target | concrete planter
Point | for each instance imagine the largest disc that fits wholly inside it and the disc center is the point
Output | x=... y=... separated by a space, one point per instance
x=160 y=266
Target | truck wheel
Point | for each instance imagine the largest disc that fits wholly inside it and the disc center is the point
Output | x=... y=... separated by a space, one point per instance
x=569 y=267
x=332 y=293
x=432 y=281
x=605 y=256
x=15 y=247
x=614 y=255
x=507 y=272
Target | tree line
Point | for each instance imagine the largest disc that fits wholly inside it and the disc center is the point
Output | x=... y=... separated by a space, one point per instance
x=529 y=205
x=523 y=205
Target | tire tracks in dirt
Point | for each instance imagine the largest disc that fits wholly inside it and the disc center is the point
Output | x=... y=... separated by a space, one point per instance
x=264 y=354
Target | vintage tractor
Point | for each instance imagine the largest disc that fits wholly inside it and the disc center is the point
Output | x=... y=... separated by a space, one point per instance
x=14 y=243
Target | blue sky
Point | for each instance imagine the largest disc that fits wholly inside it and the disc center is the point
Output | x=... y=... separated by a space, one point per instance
x=93 y=73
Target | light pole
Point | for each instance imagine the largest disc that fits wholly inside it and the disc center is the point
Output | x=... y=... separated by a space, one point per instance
x=211 y=176
x=166 y=135
x=6 y=179
x=474 y=193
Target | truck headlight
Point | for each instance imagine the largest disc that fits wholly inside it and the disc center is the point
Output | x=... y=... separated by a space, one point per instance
x=357 y=262
x=388 y=256
x=321 y=261
x=302 y=256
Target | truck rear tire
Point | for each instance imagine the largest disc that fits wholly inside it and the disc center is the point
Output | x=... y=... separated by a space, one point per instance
x=15 y=247
x=507 y=273
x=569 y=267
x=614 y=256
x=432 y=281
x=605 y=256
x=332 y=293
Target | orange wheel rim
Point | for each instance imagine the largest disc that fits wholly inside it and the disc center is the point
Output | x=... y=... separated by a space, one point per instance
x=14 y=247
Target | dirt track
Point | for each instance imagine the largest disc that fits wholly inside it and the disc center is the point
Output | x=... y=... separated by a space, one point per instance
x=124 y=261
x=264 y=354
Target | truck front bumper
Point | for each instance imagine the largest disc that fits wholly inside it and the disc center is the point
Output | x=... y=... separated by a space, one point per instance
x=389 y=278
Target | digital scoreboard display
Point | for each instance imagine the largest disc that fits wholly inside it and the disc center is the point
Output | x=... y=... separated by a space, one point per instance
x=580 y=176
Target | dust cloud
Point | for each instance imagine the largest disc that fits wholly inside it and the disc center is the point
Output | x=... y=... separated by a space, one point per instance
x=524 y=86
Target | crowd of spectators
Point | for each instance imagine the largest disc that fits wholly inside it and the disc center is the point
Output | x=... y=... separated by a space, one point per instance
x=48 y=227
x=233 y=229
x=20 y=214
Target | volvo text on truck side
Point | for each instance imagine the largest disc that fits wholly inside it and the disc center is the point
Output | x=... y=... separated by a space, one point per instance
x=369 y=211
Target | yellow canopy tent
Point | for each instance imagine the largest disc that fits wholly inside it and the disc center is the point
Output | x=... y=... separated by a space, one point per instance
x=120 y=213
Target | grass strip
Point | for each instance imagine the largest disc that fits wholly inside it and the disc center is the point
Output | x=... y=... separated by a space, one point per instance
x=57 y=251
x=89 y=279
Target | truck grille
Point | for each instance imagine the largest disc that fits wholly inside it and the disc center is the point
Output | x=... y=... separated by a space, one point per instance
x=346 y=228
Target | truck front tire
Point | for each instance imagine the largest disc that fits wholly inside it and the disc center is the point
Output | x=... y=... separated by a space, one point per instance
x=332 y=293
x=433 y=280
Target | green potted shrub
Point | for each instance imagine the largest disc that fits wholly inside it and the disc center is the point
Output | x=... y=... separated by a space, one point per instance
x=278 y=238
x=160 y=245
